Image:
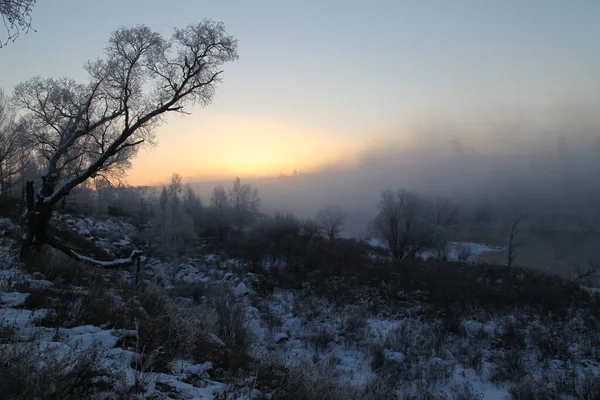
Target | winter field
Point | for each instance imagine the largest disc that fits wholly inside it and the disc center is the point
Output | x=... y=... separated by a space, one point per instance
x=427 y=226
x=222 y=327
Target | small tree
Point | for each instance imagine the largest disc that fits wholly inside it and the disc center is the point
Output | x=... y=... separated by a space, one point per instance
x=81 y=130
x=402 y=224
x=173 y=229
x=331 y=221
x=244 y=203
x=175 y=187
x=219 y=203
x=193 y=207
x=443 y=215
x=9 y=148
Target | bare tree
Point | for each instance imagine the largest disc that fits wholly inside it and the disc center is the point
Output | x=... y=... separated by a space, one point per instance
x=219 y=198
x=82 y=130
x=16 y=17
x=244 y=202
x=9 y=149
x=143 y=193
x=444 y=218
x=445 y=213
x=386 y=224
x=310 y=229
x=174 y=228
x=331 y=221
x=513 y=240
x=193 y=207
x=175 y=187
x=402 y=224
x=220 y=211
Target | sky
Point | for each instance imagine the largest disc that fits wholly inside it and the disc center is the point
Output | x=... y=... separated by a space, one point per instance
x=322 y=84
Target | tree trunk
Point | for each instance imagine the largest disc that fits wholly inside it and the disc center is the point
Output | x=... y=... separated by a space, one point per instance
x=37 y=216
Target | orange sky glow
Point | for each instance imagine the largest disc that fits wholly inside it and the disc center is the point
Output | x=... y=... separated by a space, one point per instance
x=206 y=146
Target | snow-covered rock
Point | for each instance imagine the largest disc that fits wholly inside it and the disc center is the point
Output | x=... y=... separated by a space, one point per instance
x=241 y=289
x=13 y=299
x=280 y=337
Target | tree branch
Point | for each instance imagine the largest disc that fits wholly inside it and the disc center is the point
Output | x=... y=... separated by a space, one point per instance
x=115 y=264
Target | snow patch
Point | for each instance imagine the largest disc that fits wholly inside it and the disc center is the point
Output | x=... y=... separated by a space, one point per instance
x=13 y=299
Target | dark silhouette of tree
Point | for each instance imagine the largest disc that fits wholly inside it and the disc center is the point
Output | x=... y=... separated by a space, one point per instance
x=331 y=221
x=219 y=203
x=244 y=203
x=402 y=223
x=79 y=130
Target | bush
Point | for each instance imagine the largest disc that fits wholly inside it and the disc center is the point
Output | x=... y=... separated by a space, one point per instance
x=62 y=270
x=319 y=339
x=354 y=325
x=509 y=336
x=464 y=392
x=531 y=390
x=551 y=343
x=305 y=383
x=162 y=328
x=378 y=358
x=508 y=366
x=194 y=291
x=339 y=257
x=470 y=355
x=231 y=324
x=29 y=373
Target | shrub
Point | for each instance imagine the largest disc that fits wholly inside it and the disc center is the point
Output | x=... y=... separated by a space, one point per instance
x=354 y=325
x=470 y=355
x=378 y=359
x=550 y=342
x=340 y=257
x=194 y=291
x=305 y=383
x=268 y=315
x=531 y=390
x=464 y=392
x=508 y=366
x=319 y=338
x=29 y=373
x=509 y=336
x=231 y=324
x=436 y=372
x=60 y=269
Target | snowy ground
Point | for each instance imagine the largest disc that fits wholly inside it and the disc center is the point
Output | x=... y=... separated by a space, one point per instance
x=377 y=351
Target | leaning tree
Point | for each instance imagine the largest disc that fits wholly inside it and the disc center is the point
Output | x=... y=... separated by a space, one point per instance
x=80 y=131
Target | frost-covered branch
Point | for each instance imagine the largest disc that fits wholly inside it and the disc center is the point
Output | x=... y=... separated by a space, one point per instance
x=16 y=18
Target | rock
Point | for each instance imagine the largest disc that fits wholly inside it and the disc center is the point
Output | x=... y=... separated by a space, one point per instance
x=209 y=347
x=241 y=289
x=281 y=338
x=13 y=299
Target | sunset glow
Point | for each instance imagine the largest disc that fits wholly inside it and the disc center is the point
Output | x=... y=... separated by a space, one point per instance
x=223 y=146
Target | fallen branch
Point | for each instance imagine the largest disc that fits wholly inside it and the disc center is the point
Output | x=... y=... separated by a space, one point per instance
x=134 y=257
